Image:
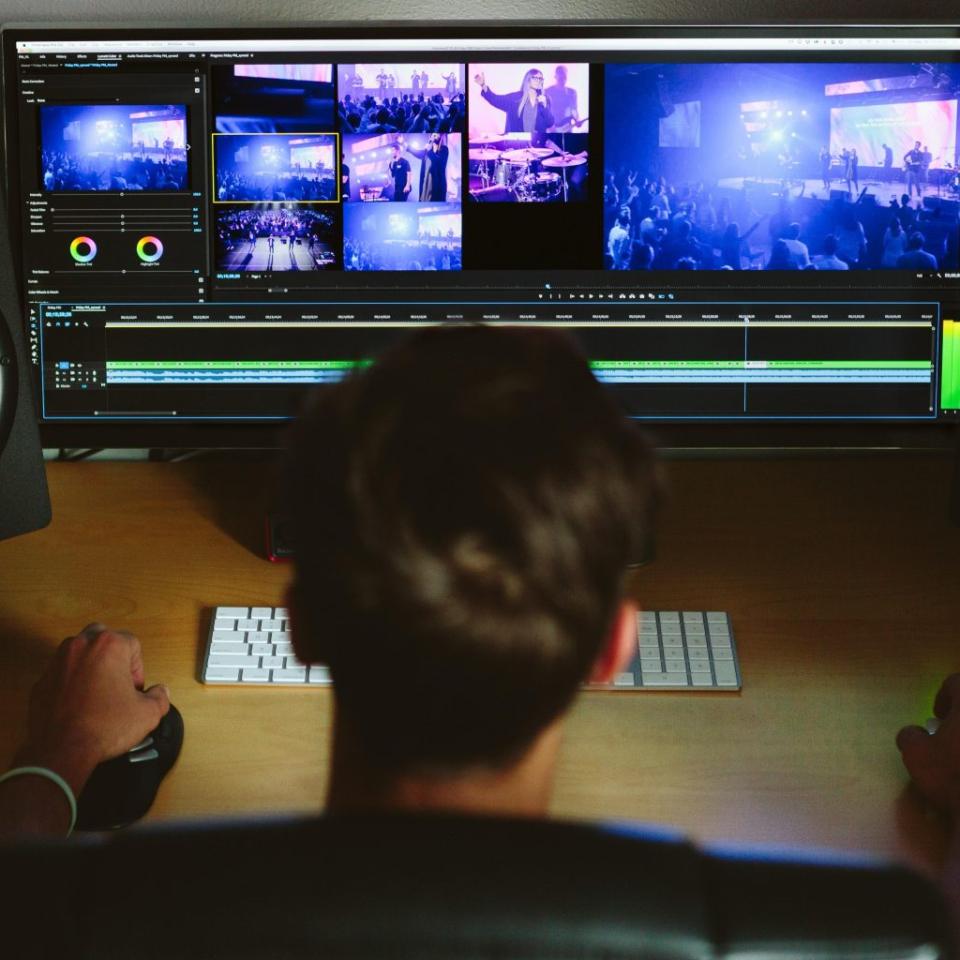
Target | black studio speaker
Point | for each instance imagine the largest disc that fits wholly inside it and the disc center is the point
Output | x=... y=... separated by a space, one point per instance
x=24 y=501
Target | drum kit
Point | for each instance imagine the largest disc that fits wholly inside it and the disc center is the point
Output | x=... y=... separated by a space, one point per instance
x=523 y=173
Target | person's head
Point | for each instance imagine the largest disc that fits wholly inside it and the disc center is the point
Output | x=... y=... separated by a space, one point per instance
x=560 y=75
x=916 y=241
x=895 y=227
x=916 y=144
x=623 y=217
x=532 y=80
x=397 y=150
x=792 y=232
x=780 y=258
x=466 y=508
x=905 y=200
x=830 y=245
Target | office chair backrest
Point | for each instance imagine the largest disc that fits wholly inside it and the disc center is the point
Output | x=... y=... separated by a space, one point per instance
x=425 y=888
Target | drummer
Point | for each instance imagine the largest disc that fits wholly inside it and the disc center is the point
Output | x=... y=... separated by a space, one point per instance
x=526 y=109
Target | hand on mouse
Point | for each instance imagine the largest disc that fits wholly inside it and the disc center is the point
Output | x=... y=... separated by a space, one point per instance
x=933 y=760
x=88 y=707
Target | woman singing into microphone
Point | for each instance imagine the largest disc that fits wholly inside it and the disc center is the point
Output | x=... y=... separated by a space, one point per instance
x=526 y=109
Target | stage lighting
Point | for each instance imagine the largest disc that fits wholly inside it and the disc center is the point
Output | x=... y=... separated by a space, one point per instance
x=763 y=116
x=803 y=113
x=776 y=135
x=779 y=113
x=789 y=113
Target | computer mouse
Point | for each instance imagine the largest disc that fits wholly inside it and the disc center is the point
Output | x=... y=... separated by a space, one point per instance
x=120 y=791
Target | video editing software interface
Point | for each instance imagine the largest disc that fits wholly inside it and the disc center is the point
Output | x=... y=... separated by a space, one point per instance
x=736 y=224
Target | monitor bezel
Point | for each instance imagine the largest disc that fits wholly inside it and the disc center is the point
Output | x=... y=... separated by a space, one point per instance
x=723 y=435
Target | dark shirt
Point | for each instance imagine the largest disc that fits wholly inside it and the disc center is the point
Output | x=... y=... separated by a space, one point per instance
x=917 y=260
x=399 y=170
x=509 y=103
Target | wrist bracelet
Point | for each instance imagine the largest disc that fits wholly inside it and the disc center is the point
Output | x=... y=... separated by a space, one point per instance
x=49 y=775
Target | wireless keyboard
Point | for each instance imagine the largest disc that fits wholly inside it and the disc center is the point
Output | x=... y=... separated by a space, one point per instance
x=675 y=651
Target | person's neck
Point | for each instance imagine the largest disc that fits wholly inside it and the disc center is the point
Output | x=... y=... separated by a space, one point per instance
x=523 y=789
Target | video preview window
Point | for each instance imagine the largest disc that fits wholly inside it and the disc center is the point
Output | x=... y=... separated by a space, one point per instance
x=113 y=148
x=253 y=168
x=277 y=238
x=402 y=167
x=408 y=236
x=378 y=98
x=274 y=98
x=528 y=126
x=781 y=166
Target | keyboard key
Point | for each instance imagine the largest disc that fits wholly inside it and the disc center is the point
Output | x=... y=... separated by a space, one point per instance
x=248 y=624
x=624 y=679
x=267 y=624
x=291 y=675
x=720 y=654
x=252 y=675
x=726 y=674
x=701 y=679
x=275 y=662
x=233 y=647
x=232 y=660
x=236 y=613
x=283 y=649
x=674 y=665
x=260 y=613
x=650 y=665
x=261 y=649
x=320 y=674
x=225 y=623
x=258 y=636
x=281 y=613
x=227 y=636
x=665 y=680
x=221 y=674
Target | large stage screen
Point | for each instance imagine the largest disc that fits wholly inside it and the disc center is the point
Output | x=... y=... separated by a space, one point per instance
x=898 y=125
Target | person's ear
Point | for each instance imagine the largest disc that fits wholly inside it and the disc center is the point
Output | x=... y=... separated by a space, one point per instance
x=621 y=644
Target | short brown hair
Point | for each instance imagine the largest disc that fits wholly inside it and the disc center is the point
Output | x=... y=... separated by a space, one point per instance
x=465 y=511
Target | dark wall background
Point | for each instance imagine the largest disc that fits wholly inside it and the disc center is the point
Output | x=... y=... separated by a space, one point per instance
x=258 y=11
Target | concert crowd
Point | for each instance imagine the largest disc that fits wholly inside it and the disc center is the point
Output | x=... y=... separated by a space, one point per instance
x=655 y=224
x=62 y=171
x=245 y=226
x=276 y=187
x=404 y=114
x=428 y=253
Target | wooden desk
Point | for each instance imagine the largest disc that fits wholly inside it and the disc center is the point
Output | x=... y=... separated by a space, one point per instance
x=841 y=578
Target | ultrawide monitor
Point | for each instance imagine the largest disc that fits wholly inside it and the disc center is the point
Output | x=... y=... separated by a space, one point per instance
x=744 y=227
